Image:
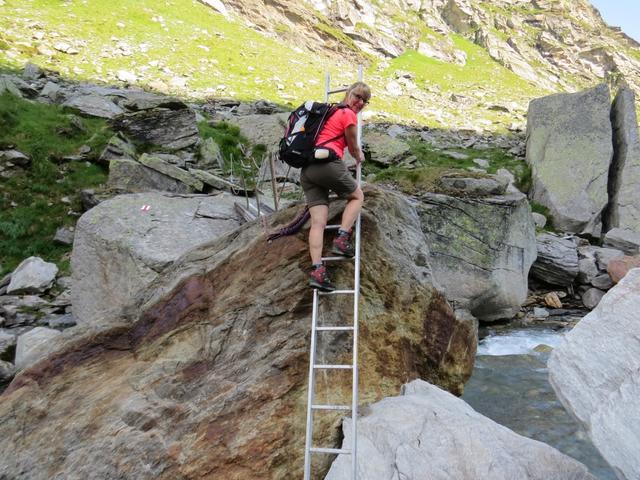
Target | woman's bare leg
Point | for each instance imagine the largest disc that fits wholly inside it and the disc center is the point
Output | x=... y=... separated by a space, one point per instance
x=352 y=209
x=319 y=214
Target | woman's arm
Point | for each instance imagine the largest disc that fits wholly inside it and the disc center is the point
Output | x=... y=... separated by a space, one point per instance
x=351 y=134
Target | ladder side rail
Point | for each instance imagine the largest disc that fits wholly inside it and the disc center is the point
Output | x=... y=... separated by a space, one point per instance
x=356 y=300
x=311 y=389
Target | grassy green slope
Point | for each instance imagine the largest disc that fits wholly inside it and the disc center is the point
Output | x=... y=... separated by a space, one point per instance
x=186 y=40
x=180 y=38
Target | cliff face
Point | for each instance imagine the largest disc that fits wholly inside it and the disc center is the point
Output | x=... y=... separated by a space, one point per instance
x=205 y=376
x=556 y=45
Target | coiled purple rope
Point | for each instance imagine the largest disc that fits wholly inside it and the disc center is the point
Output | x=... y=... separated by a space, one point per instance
x=291 y=228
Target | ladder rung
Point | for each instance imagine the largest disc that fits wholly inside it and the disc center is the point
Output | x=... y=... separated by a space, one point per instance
x=330 y=407
x=337 y=259
x=336 y=451
x=332 y=227
x=324 y=329
x=338 y=90
x=338 y=292
x=337 y=367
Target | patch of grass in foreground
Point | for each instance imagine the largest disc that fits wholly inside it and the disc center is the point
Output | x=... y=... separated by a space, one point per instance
x=31 y=200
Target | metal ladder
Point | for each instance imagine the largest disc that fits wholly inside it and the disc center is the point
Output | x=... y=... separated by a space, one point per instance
x=315 y=329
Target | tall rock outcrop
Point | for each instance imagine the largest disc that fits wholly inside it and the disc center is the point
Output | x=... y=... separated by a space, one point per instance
x=624 y=177
x=569 y=149
x=596 y=373
x=480 y=250
x=204 y=375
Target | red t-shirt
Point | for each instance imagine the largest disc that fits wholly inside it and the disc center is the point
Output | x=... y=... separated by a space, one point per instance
x=336 y=125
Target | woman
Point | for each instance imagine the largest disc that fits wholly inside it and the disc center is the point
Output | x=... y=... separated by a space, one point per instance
x=318 y=179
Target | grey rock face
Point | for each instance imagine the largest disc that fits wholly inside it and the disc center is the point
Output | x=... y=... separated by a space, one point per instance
x=557 y=262
x=32 y=72
x=262 y=129
x=118 y=147
x=159 y=165
x=171 y=129
x=592 y=297
x=7 y=85
x=625 y=240
x=624 y=206
x=94 y=105
x=119 y=248
x=596 y=373
x=141 y=100
x=605 y=255
x=210 y=155
x=569 y=149
x=131 y=176
x=15 y=157
x=428 y=433
x=480 y=251
x=64 y=236
x=539 y=219
x=33 y=346
x=33 y=275
x=476 y=186
x=386 y=150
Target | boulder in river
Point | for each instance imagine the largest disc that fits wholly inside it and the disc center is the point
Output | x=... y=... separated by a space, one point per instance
x=427 y=433
x=596 y=373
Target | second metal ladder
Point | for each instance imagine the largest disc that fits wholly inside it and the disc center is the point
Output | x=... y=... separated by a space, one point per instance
x=318 y=329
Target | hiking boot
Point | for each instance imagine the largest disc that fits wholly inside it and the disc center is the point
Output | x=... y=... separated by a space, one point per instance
x=342 y=246
x=318 y=278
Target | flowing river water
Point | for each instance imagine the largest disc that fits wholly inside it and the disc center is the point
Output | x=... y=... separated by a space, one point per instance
x=510 y=385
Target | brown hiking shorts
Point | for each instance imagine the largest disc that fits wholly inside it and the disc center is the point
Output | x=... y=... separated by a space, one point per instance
x=318 y=179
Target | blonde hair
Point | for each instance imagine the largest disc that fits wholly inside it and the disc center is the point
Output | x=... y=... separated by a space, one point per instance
x=358 y=87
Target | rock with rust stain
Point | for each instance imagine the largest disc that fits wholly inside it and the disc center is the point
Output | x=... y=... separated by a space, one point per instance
x=205 y=376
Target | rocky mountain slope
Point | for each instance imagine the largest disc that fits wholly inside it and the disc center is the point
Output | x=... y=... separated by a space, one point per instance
x=467 y=64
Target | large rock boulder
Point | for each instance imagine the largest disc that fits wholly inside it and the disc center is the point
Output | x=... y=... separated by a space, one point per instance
x=94 y=104
x=164 y=127
x=120 y=247
x=596 y=373
x=205 y=375
x=624 y=205
x=557 y=262
x=259 y=129
x=480 y=250
x=569 y=149
x=623 y=239
x=427 y=433
x=33 y=275
x=131 y=176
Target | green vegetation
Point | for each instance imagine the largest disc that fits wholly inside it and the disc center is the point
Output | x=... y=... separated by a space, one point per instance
x=241 y=160
x=432 y=163
x=161 y=42
x=480 y=73
x=32 y=202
